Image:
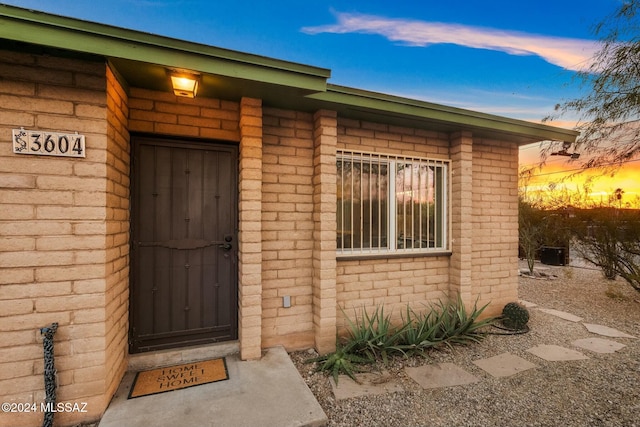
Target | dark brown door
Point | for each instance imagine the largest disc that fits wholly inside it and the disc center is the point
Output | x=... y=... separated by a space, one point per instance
x=184 y=246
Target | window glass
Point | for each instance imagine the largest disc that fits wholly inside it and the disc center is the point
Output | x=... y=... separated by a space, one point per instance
x=416 y=188
x=362 y=211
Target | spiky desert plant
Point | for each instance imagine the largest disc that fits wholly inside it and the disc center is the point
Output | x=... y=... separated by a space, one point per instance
x=446 y=322
x=457 y=326
x=419 y=333
x=515 y=316
x=374 y=335
x=342 y=361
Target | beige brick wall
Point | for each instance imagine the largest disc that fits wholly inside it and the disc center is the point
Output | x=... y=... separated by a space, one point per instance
x=164 y=113
x=461 y=203
x=392 y=282
x=287 y=228
x=288 y=233
x=117 y=234
x=483 y=263
x=250 y=228
x=324 y=232
x=381 y=138
x=53 y=222
x=494 y=264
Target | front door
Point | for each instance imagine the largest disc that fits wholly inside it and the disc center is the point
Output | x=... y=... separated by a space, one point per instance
x=183 y=244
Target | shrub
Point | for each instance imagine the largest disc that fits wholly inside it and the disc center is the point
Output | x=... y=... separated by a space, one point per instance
x=373 y=336
x=610 y=239
x=420 y=333
x=341 y=361
x=462 y=327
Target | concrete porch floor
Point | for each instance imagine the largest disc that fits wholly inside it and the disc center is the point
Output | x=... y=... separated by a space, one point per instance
x=265 y=392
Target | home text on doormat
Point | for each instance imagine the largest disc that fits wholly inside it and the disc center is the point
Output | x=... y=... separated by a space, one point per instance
x=178 y=377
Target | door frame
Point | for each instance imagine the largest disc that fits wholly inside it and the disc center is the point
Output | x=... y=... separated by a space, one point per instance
x=137 y=211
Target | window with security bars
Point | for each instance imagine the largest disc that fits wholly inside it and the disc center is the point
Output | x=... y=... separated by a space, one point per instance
x=391 y=204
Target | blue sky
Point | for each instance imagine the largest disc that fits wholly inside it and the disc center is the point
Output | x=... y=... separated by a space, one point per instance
x=509 y=58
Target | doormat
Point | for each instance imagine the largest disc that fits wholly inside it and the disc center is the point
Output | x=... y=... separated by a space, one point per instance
x=177 y=377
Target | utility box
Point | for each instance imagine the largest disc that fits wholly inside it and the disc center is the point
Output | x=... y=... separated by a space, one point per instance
x=554 y=255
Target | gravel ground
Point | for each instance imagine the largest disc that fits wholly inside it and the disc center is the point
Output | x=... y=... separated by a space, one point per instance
x=601 y=391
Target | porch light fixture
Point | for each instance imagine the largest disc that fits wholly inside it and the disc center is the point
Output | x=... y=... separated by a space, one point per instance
x=184 y=84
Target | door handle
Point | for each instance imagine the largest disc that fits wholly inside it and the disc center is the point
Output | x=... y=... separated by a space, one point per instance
x=225 y=246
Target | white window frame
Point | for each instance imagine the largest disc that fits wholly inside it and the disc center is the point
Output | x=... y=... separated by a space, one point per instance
x=442 y=217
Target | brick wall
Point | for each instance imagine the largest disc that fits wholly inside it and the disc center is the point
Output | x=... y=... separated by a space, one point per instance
x=382 y=138
x=462 y=146
x=495 y=223
x=53 y=222
x=164 y=113
x=250 y=229
x=117 y=235
x=287 y=228
x=325 y=138
x=484 y=225
x=392 y=282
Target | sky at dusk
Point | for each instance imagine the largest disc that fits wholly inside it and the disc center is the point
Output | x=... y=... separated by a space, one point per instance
x=515 y=59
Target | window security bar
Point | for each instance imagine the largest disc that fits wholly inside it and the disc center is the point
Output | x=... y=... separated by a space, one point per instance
x=391 y=204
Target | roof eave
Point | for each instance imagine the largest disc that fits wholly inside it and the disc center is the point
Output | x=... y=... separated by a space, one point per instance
x=54 y=31
x=372 y=103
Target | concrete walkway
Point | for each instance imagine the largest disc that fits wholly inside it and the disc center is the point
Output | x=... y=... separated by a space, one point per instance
x=265 y=393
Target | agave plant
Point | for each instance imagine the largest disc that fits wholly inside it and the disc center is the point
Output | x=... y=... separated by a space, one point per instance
x=444 y=323
x=375 y=335
x=420 y=331
x=342 y=361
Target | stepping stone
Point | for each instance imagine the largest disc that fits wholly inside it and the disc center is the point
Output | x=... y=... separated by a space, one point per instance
x=561 y=314
x=528 y=304
x=440 y=375
x=598 y=345
x=370 y=384
x=606 y=331
x=504 y=365
x=555 y=353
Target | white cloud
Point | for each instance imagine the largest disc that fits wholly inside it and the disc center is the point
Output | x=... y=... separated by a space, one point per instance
x=573 y=54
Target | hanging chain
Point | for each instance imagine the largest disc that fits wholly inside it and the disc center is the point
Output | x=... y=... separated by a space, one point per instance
x=49 y=373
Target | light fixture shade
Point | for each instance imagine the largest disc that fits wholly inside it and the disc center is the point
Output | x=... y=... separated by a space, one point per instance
x=184 y=85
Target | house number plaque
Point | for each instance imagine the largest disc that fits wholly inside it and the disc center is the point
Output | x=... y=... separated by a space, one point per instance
x=44 y=143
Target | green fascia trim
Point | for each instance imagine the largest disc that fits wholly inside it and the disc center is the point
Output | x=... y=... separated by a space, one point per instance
x=44 y=29
x=464 y=119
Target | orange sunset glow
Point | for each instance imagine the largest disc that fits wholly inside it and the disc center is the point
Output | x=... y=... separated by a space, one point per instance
x=561 y=179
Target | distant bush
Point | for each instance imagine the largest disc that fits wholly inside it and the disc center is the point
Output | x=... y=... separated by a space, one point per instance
x=609 y=238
